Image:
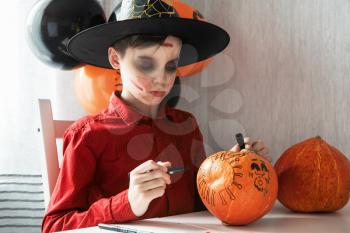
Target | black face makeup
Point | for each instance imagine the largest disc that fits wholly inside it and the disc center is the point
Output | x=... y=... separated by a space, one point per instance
x=148 y=64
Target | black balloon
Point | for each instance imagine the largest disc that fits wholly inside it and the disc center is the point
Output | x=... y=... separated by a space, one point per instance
x=174 y=95
x=51 y=23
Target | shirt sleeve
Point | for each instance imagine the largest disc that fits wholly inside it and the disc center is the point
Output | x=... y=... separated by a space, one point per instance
x=70 y=205
x=198 y=155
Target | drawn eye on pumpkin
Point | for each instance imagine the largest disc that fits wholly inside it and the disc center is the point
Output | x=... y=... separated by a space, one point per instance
x=255 y=166
x=263 y=167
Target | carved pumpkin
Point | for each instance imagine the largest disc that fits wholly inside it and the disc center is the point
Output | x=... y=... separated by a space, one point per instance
x=237 y=187
x=313 y=177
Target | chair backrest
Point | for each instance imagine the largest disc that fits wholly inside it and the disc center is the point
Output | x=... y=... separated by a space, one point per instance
x=51 y=130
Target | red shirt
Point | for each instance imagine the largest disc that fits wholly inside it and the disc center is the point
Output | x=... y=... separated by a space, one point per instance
x=100 y=150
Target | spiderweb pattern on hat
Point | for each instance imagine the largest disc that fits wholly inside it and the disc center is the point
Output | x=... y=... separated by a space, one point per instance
x=141 y=10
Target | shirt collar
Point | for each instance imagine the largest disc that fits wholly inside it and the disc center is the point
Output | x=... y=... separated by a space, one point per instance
x=130 y=114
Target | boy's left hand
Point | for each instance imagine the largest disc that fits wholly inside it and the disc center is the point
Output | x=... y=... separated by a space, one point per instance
x=257 y=146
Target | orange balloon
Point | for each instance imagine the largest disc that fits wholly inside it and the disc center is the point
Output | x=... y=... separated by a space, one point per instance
x=186 y=11
x=94 y=86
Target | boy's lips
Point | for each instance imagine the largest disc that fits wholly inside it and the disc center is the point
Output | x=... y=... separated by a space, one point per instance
x=158 y=93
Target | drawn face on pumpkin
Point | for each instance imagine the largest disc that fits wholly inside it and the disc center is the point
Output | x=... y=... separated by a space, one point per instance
x=260 y=174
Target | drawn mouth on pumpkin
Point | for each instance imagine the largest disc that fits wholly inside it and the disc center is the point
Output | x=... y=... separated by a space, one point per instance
x=259 y=174
x=260 y=184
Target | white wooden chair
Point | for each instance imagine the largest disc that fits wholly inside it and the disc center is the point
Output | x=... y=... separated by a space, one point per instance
x=50 y=130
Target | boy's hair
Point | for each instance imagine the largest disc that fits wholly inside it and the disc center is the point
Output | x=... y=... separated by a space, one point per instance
x=134 y=41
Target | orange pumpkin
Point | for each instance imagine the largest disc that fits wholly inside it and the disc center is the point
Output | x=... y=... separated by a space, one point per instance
x=237 y=187
x=313 y=177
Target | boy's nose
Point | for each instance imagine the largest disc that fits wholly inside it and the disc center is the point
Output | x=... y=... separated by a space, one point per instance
x=160 y=78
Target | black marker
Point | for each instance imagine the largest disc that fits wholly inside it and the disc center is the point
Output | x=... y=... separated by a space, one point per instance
x=240 y=141
x=172 y=170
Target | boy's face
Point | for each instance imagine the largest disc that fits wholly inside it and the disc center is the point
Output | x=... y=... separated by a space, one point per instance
x=148 y=74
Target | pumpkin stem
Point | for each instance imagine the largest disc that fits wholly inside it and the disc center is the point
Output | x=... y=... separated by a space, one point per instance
x=318 y=137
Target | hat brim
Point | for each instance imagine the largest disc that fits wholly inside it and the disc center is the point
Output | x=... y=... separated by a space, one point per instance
x=200 y=40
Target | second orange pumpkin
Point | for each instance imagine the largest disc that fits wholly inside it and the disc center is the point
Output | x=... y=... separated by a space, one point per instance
x=313 y=176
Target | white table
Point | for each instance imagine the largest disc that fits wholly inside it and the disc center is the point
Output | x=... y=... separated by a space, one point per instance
x=278 y=220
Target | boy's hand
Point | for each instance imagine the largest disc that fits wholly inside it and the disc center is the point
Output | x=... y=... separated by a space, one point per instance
x=147 y=182
x=256 y=146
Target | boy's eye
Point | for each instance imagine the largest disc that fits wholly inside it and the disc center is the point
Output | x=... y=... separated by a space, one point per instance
x=171 y=67
x=145 y=65
x=148 y=66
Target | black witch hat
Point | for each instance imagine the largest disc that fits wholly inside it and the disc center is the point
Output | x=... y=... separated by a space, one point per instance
x=200 y=40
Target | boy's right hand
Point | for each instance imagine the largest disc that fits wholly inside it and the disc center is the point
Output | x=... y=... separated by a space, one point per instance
x=147 y=182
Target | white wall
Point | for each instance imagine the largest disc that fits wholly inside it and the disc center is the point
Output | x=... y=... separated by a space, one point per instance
x=284 y=75
x=24 y=79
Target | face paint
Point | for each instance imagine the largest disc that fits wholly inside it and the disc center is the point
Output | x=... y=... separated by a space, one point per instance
x=137 y=86
x=147 y=65
x=167 y=45
x=144 y=64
